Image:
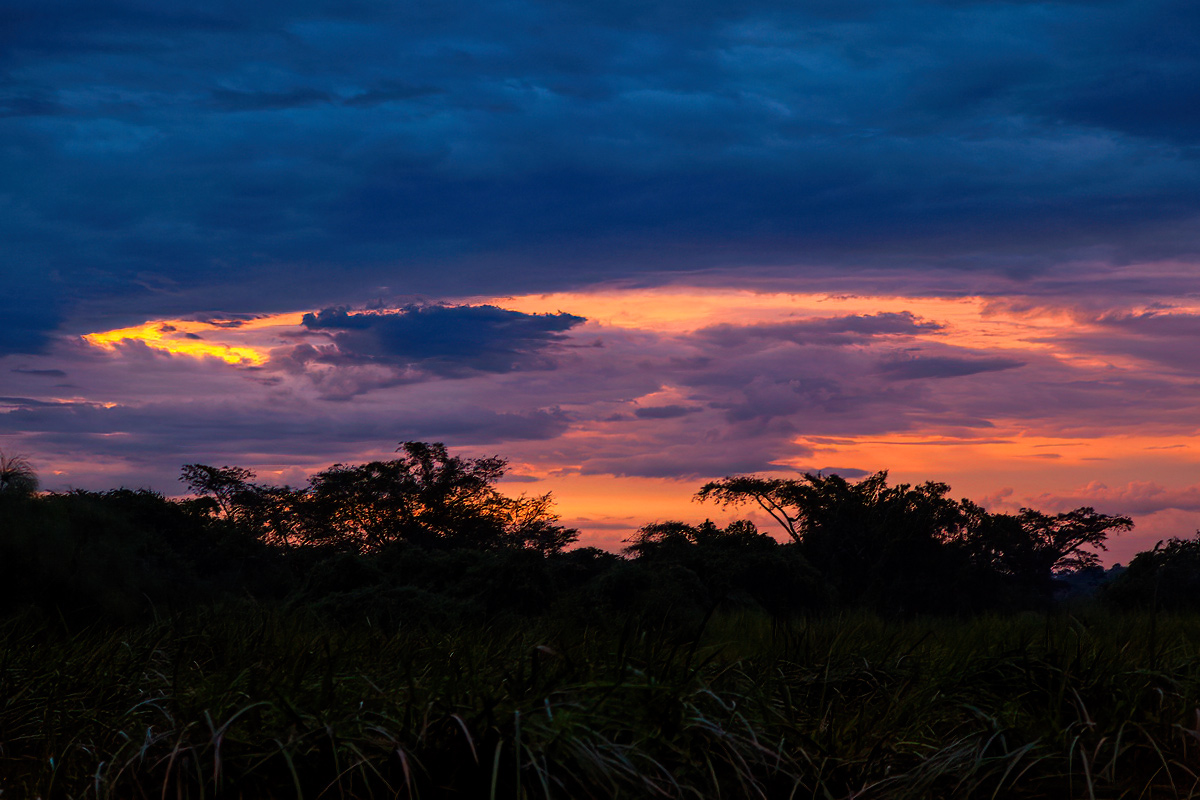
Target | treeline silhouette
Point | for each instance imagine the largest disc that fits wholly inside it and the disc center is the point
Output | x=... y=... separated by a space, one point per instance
x=427 y=538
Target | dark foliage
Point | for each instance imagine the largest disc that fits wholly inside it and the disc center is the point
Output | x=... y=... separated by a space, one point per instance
x=425 y=497
x=17 y=475
x=911 y=549
x=401 y=629
x=426 y=538
x=121 y=553
x=1167 y=577
x=694 y=569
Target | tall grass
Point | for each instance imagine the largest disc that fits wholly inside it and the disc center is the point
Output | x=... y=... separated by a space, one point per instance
x=256 y=703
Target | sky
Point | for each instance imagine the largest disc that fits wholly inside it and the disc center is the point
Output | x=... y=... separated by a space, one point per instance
x=631 y=247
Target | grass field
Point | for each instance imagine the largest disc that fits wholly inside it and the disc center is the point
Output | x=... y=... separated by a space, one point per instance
x=256 y=703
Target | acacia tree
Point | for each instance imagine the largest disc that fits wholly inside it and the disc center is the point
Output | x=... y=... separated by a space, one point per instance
x=811 y=505
x=225 y=486
x=270 y=513
x=17 y=476
x=880 y=542
x=1033 y=546
x=868 y=539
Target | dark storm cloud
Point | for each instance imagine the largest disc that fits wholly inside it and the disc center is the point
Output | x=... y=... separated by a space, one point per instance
x=441 y=340
x=168 y=158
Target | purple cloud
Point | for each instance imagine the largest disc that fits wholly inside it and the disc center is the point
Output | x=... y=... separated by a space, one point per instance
x=938 y=367
x=834 y=331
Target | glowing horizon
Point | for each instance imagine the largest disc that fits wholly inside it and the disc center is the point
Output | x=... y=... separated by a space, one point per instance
x=983 y=390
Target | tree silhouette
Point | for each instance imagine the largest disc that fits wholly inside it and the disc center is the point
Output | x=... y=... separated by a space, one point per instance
x=914 y=547
x=224 y=485
x=427 y=496
x=1032 y=546
x=424 y=497
x=817 y=505
x=17 y=475
x=660 y=537
x=270 y=513
x=1167 y=576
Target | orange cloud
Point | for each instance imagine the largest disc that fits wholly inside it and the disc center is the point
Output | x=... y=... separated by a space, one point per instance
x=975 y=322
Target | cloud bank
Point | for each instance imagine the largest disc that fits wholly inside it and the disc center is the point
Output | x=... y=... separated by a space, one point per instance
x=159 y=161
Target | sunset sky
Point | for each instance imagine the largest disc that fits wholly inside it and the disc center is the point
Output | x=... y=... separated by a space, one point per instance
x=628 y=246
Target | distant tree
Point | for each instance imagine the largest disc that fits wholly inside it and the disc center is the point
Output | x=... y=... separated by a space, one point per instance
x=528 y=522
x=666 y=536
x=426 y=496
x=785 y=500
x=1032 y=546
x=813 y=504
x=913 y=546
x=269 y=513
x=225 y=486
x=17 y=476
x=829 y=511
x=1167 y=576
x=876 y=544
x=736 y=564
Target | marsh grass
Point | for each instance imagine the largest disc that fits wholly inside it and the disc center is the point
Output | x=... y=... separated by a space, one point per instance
x=252 y=702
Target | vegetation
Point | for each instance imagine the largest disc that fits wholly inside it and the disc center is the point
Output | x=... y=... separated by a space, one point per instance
x=914 y=549
x=402 y=629
x=244 y=702
x=1167 y=577
x=426 y=497
x=17 y=475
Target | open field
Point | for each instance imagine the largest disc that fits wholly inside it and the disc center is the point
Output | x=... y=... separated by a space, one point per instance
x=252 y=702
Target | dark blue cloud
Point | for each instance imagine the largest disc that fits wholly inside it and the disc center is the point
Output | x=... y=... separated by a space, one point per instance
x=442 y=340
x=173 y=157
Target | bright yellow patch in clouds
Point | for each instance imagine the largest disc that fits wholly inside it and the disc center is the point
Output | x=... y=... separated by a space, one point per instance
x=234 y=342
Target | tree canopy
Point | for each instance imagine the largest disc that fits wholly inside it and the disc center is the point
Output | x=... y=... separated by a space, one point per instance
x=426 y=496
x=428 y=531
x=878 y=543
